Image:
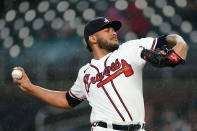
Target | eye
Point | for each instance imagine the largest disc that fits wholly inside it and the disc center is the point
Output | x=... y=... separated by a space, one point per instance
x=106 y=29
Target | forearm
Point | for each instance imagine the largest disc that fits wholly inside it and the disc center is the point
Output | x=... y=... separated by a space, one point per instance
x=178 y=44
x=54 y=98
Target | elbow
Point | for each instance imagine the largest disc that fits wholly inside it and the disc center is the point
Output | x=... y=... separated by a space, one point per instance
x=183 y=50
x=182 y=43
x=68 y=107
x=179 y=40
x=176 y=40
x=180 y=47
x=177 y=43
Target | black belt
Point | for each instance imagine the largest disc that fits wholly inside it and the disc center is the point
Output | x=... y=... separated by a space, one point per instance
x=131 y=127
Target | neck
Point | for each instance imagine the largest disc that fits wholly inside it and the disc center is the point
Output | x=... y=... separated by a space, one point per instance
x=98 y=54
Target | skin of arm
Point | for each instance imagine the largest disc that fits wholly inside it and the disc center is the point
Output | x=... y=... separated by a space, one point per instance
x=177 y=43
x=51 y=97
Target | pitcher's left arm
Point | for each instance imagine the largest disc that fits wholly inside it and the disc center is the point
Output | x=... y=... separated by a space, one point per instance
x=171 y=50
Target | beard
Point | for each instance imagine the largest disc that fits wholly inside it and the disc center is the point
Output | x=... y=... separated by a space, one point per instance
x=103 y=44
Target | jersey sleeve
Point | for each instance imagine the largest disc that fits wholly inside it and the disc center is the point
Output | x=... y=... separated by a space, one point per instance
x=133 y=48
x=76 y=93
x=153 y=43
x=148 y=43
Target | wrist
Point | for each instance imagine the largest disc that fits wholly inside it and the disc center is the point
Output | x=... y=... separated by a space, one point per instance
x=31 y=88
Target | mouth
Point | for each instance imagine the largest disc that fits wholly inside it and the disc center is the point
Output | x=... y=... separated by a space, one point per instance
x=114 y=38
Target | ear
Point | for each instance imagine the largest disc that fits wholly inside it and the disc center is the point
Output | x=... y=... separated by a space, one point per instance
x=92 y=39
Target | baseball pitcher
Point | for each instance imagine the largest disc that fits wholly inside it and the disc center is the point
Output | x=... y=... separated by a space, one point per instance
x=112 y=81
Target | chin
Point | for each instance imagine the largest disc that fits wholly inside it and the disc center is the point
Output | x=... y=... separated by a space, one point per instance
x=115 y=43
x=113 y=47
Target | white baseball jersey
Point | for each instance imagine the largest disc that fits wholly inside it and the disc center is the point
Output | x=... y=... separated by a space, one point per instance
x=113 y=84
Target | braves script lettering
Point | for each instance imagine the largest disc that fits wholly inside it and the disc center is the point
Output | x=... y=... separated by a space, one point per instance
x=115 y=67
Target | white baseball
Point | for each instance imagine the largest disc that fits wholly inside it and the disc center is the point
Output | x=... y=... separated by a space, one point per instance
x=17 y=74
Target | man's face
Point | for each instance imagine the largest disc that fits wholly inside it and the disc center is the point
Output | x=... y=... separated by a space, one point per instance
x=107 y=39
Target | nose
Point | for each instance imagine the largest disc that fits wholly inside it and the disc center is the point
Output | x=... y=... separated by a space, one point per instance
x=113 y=31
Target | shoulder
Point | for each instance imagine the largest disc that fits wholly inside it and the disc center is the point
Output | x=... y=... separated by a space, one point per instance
x=138 y=41
x=83 y=69
x=147 y=42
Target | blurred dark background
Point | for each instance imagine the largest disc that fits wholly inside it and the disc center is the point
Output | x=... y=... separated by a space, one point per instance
x=45 y=37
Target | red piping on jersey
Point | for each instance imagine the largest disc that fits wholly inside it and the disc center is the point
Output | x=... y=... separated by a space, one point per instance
x=94 y=67
x=108 y=94
x=106 y=62
x=119 y=94
x=121 y=100
x=154 y=41
x=74 y=95
x=95 y=124
x=113 y=103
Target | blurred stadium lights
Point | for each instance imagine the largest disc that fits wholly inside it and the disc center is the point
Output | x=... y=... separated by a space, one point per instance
x=62 y=6
x=148 y=12
x=130 y=35
x=160 y=3
x=89 y=14
x=168 y=11
x=10 y=15
x=69 y=15
x=24 y=6
x=141 y=4
x=186 y=27
x=101 y=5
x=165 y=28
x=82 y=5
x=15 y=50
x=30 y=15
x=8 y=42
x=121 y=4
x=19 y=23
x=156 y=20
x=24 y=32
x=5 y=32
x=43 y=6
x=193 y=36
x=80 y=29
x=28 y=41
x=57 y=23
x=54 y=14
x=38 y=24
x=181 y=3
x=75 y=22
x=50 y=15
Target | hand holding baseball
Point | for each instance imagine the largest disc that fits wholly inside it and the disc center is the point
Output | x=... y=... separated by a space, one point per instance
x=17 y=74
x=21 y=79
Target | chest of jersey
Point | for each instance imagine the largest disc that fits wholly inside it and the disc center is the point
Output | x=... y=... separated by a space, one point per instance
x=101 y=75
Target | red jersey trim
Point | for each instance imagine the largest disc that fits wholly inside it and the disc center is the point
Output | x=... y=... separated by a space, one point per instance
x=74 y=96
x=154 y=42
